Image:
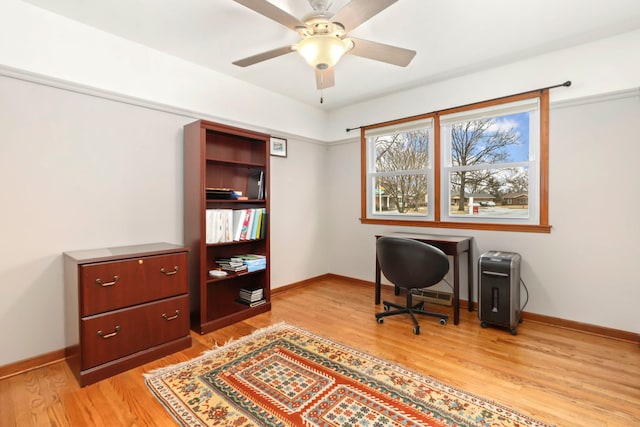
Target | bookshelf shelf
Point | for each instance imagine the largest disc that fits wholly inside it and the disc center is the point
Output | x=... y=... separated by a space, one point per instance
x=217 y=156
x=240 y=242
x=232 y=276
x=231 y=202
x=235 y=163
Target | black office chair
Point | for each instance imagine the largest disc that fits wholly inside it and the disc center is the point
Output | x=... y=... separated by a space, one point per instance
x=410 y=264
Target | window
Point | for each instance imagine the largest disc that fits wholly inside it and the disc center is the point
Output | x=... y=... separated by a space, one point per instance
x=490 y=171
x=400 y=170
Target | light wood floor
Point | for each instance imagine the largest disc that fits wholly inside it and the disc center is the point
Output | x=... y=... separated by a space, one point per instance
x=559 y=376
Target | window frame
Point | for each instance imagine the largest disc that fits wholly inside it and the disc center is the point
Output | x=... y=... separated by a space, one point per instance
x=422 y=123
x=436 y=221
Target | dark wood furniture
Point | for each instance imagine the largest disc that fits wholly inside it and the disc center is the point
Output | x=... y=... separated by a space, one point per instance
x=125 y=306
x=220 y=156
x=450 y=245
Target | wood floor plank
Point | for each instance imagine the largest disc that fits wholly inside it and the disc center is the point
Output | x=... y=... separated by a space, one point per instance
x=560 y=376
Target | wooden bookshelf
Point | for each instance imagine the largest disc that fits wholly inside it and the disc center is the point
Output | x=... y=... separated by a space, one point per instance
x=220 y=156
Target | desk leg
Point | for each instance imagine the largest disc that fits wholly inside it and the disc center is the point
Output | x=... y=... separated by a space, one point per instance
x=456 y=290
x=377 y=281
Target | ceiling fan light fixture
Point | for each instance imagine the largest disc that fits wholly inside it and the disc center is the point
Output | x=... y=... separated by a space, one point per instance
x=323 y=51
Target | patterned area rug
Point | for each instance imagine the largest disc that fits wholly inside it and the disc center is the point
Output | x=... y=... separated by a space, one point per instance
x=285 y=376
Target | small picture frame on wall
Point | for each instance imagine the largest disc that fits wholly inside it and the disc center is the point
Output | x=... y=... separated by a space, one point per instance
x=278 y=147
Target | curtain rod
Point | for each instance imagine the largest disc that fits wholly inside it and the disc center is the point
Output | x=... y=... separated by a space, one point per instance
x=567 y=84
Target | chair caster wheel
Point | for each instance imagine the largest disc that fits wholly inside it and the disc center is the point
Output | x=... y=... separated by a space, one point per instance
x=386 y=307
x=416 y=330
x=443 y=321
x=380 y=320
x=513 y=331
x=484 y=325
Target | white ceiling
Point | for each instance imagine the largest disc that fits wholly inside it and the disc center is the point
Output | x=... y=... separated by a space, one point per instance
x=452 y=37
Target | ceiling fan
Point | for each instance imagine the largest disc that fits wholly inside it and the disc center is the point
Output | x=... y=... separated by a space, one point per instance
x=324 y=36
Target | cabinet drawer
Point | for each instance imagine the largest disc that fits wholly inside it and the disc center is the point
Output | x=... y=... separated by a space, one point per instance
x=111 y=285
x=109 y=336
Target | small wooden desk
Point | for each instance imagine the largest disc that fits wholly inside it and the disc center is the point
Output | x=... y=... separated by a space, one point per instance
x=450 y=245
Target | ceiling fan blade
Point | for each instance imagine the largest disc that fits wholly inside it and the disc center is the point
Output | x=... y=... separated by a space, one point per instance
x=274 y=53
x=358 y=11
x=263 y=7
x=324 y=78
x=382 y=52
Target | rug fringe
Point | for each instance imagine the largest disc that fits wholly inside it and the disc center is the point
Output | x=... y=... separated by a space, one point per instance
x=213 y=351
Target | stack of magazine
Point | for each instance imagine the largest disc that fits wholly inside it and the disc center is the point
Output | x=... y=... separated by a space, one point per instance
x=253 y=262
x=232 y=264
x=252 y=297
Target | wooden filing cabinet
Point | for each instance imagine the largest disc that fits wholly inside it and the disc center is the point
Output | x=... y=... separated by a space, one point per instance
x=125 y=306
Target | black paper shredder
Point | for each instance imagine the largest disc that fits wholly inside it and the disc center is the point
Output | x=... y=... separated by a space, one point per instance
x=499 y=289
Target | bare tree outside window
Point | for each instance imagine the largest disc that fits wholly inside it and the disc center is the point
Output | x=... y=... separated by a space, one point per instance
x=478 y=142
x=404 y=155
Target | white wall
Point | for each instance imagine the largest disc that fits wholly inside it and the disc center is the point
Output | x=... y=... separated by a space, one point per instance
x=38 y=41
x=605 y=66
x=299 y=244
x=76 y=170
x=585 y=270
x=79 y=172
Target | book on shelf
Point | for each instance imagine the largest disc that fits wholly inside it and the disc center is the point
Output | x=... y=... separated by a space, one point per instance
x=245 y=225
x=230 y=265
x=251 y=298
x=233 y=225
x=251 y=295
x=251 y=304
x=258 y=223
x=252 y=258
x=252 y=213
x=220 y=194
x=255 y=185
x=263 y=224
x=253 y=262
x=238 y=221
x=218 y=225
x=254 y=228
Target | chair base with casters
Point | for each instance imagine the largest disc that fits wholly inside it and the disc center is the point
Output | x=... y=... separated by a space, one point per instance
x=411 y=310
x=410 y=264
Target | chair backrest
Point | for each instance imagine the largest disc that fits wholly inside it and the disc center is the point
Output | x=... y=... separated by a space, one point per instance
x=409 y=263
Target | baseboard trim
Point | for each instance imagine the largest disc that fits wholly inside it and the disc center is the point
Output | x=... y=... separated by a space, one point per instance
x=617 y=334
x=586 y=328
x=557 y=322
x=297 y=285
x=25 y=365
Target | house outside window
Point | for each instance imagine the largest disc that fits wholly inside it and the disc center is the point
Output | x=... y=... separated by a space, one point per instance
x=400 y=171
x=491 y=152
x=482 y=166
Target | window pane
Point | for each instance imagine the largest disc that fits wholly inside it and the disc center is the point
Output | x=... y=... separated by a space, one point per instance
x=402 y=151
x=400 y=195
x=490 y=140
x=500 y=193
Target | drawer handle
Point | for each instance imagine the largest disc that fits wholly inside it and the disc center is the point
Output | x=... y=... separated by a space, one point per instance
x=112 y=334
x=115 y=279
x=170 y=273
x=165 y=317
